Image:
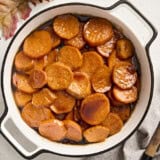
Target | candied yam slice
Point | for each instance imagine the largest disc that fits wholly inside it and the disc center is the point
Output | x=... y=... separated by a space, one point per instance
x=53 y=129
x=125 y=96
x=101 y=79
x=124 y=49
x=94 y=108
x=74 y=131
x=56 y=40
x=21 y=82
x=33 y=116
x=124 y=75
x=113 y=59
x=38 y=78
x=23 y=62
x=37 y=44
x=51 y=57
x=91 y=62
x=66 y=26
x=43 y=98
x=97 y=31
x=77 y=41
x=70 y=56
x=96 y=133
x=70 y=116
x=59 y=76
x=124 y=112
x=63 y=103
x=113 y=122
x=107 y=48
x=22 y=98
x=114 y=101
x=80 y=86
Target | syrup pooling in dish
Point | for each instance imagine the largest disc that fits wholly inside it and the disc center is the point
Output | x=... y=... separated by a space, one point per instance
x=75 y=79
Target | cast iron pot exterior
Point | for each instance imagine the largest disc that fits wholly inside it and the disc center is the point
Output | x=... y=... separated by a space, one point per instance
x=44 y=145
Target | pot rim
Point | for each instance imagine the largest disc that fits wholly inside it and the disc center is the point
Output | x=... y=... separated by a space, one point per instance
x=147 y=46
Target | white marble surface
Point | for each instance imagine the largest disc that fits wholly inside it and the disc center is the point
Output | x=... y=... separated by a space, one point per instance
x=150 y=8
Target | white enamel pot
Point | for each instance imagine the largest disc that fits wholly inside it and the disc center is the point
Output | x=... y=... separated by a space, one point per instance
x=135 y=26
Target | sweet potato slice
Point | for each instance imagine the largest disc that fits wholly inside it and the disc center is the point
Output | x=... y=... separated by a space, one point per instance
x=125 y=96
x=94 y=108
x=114 y=101
x=22 y=62
x=80 y=86
x=37 y=44
x=53 y=129
x=33 y=116
x=124 y=49
x=56 y=40
x=91 y=62
x=63 y=103
x=43 y=98
x=124 y=75
x=22 y=98
x=70 y=116
x=59 y=76
x=113 y=122
x=66 y=26
x=37 y=78
x=113 y=59
x=74 y=131
x=77 y=41
x=124 y=112
x=101 y=79
x=21 y=82
x=96 y=133
x=51 y=57
x=97 y=31
x=107 y=48
x=70 y=56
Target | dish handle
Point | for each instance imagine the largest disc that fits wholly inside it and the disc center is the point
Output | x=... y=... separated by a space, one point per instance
x=135 y=20
x=16 y=138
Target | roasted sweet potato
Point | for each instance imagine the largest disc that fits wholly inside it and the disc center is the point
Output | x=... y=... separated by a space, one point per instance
x=43 y=98
x=97 y=31
x=124 y=75
x=77 y=41
x=23 y=62
x=124 y=112
x=124 y=49
x=21 y=82
x=56 y=40
x=70 y=56
x=107 y=48
x=53 y=129
x=66 y=26
x=125 y=96
x=22 y=98
x=101 y=79
x=63 y=103
x=38 y=78
x=113 y=59
x=74 y=131
x=94 y=108
x=96 y=133
x=113 y=122
x=91 y=62
x=33 y=116
x=59 y=76
x=37 y=44
x=80 y=86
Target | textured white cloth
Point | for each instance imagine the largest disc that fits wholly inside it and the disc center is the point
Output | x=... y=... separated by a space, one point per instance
x=133 y=148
